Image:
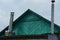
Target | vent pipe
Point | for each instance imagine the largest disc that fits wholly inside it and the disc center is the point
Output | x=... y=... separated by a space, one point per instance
x=11 y=23
x=52 y=17
x=52 y=36
x=9 y=31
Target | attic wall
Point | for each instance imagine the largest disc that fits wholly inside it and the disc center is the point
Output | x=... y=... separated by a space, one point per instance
x=34 y=27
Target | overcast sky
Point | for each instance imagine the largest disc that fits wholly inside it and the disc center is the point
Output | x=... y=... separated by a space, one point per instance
x=42 y=7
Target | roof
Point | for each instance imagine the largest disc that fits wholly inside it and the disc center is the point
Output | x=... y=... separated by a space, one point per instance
x=30 y=23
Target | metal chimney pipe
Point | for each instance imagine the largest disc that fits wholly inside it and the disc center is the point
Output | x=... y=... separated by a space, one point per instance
x=52 y=36
x=52 y=17
x=11 y=22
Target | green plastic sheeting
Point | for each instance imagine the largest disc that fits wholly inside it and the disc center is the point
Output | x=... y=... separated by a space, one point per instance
x=31 y=23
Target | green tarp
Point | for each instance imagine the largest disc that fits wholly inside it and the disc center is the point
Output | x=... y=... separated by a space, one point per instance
x=31 y=23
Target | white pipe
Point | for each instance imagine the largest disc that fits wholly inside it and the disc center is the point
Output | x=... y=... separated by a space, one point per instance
x=52 y=17
x=11 y=22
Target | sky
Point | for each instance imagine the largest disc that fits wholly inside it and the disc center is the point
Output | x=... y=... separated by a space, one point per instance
x=41 y=7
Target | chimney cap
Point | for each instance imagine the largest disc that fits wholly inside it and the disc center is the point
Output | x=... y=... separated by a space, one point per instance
x=53 y=1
